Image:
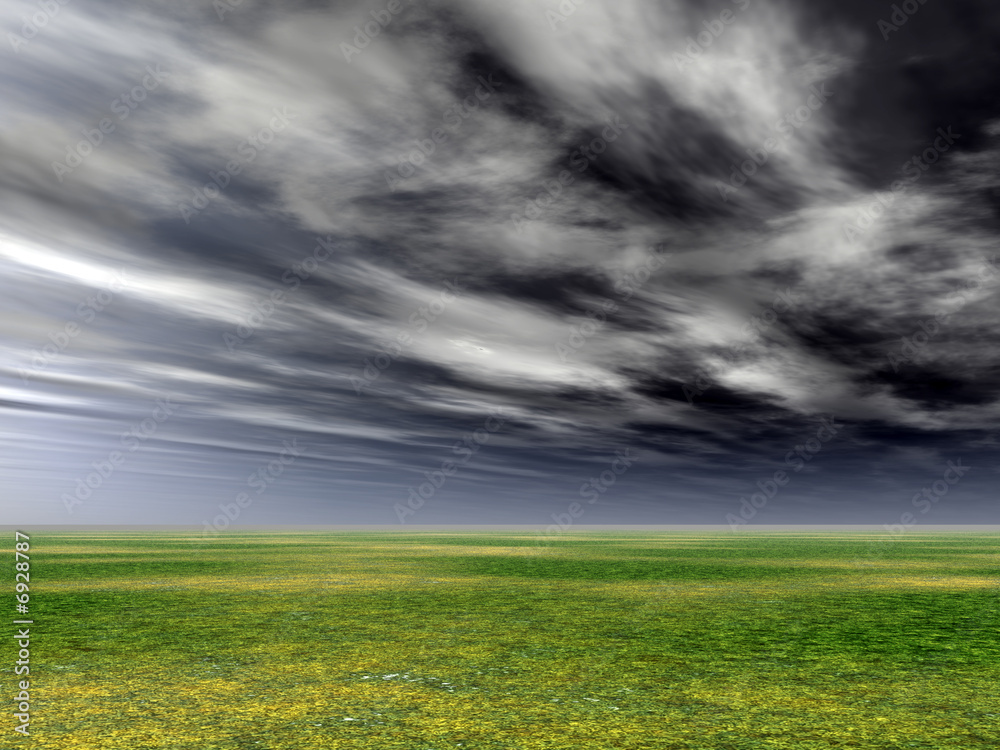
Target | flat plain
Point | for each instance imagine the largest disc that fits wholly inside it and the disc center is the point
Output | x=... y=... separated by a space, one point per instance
x=490 y=641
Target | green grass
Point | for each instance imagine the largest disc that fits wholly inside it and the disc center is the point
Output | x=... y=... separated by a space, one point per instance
x=612 y=640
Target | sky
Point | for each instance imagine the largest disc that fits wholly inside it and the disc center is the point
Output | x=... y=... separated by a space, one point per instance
x=530 y=262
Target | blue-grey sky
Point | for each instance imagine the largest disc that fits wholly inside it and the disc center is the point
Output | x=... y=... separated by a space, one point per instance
x=588 y=262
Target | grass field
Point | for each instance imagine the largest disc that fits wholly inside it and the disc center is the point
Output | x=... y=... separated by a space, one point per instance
x=427 y=641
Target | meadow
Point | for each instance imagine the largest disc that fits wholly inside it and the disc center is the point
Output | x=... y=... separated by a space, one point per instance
x=495 y=641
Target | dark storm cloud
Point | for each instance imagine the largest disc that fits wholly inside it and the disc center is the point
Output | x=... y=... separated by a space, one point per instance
x=472 y=210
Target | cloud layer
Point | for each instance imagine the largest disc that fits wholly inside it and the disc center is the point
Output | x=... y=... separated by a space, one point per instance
x=473 y=257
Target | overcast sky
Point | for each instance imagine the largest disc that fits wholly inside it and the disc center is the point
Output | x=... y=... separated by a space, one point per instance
x=474 y=262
